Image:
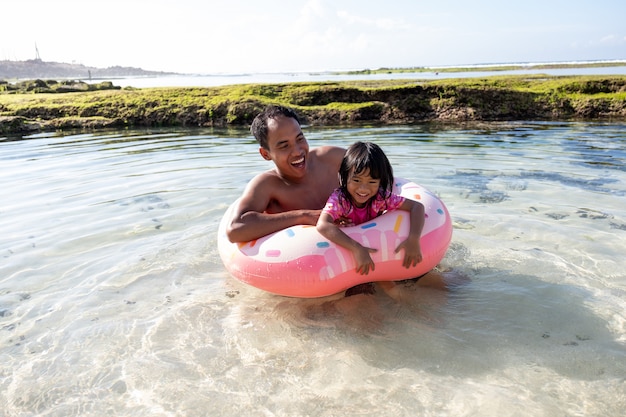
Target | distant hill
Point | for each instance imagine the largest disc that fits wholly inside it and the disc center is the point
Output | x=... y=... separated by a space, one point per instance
x=36 y=68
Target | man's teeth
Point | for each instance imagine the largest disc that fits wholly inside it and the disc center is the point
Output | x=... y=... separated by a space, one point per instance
x=299 y=161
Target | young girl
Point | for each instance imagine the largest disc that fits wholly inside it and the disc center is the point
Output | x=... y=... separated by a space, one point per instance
x=364 y=193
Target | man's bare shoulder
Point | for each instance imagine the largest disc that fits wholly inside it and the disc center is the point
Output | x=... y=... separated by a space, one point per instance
x=266 y=178
x=330 y=153
x=259 y=192
x=328 y=149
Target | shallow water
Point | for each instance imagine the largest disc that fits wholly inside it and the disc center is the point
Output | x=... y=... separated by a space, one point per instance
x=113 y=299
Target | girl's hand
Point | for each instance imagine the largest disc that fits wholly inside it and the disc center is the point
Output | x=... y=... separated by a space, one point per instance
x=364 y=262
x=412 y=252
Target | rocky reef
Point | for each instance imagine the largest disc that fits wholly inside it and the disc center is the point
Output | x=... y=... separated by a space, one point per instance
x=325 y=103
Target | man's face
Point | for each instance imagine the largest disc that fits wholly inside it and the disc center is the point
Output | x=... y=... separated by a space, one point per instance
x=288 y=148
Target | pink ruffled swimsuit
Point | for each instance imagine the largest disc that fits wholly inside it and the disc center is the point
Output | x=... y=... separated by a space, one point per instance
x=342 y=210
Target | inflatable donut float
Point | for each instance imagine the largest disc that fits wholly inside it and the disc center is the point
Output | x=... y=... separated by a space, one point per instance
x=299 y=262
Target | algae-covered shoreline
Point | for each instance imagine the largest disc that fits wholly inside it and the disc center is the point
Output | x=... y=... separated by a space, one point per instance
x=494 y=98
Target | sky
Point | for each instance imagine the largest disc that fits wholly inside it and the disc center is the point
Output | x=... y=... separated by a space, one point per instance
x=235 y=37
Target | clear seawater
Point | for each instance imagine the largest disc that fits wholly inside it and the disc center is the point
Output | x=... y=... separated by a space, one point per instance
x=114 y=301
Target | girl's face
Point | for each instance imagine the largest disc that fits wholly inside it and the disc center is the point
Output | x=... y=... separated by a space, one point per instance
x=362 y=187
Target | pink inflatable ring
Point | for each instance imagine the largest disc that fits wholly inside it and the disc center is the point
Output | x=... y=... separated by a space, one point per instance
x=299 y=262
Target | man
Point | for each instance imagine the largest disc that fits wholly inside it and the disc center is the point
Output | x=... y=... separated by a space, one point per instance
x=296 y=189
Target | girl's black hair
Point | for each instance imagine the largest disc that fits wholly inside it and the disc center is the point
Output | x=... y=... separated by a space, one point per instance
x=366 y=155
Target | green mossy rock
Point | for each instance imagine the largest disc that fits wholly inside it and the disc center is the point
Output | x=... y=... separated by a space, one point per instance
x=49 y=105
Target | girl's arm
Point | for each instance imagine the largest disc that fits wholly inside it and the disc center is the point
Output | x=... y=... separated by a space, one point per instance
x=411 y=246
x=327 y=228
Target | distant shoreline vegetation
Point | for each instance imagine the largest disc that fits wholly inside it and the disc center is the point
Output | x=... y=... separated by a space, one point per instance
x=38 y=69
x=16 y=71
x=450 y=100
x=489 y=67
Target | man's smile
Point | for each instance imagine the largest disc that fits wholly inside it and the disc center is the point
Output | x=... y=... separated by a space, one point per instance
x=298 y=162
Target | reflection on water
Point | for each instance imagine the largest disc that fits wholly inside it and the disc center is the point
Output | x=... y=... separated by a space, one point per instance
x=113 y=299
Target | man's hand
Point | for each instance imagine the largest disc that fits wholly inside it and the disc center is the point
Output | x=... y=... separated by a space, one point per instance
x=310 y=217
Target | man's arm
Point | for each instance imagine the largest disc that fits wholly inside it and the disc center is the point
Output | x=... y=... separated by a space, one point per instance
x=250 y=221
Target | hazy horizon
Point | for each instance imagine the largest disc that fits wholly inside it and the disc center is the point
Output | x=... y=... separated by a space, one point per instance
x=478 y=66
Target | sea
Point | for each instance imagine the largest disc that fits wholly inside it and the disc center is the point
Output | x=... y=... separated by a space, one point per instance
x=114 y=300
